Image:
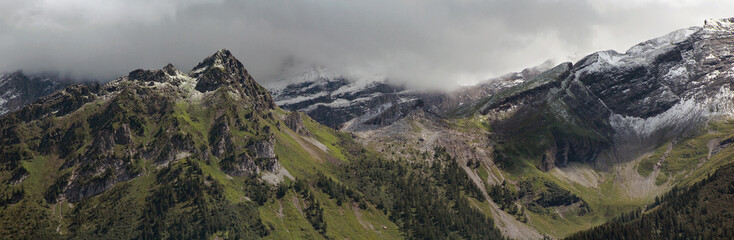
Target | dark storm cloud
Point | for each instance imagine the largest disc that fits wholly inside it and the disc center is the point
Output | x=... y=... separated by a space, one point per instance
x=422 y=43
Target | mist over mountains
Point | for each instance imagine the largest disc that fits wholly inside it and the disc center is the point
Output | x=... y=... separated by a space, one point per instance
x=433 y=44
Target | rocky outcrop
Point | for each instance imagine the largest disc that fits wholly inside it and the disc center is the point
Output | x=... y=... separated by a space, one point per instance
x=57 y=104
x=169 y=73
x=100 y=167
x=220 y=138
x=295 y=123
x=260 y=156
x=264 y=148
x=264 y=154
x=547 y=161
x=239 y=165
x=18 y=89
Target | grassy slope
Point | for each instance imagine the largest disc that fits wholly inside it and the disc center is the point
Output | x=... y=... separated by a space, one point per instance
x=688 y=162
x=341 y=220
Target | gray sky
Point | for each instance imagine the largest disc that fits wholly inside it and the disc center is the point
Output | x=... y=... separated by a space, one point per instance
x=430 y=43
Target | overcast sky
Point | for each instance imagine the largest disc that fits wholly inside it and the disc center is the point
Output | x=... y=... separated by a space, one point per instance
x=423 y=43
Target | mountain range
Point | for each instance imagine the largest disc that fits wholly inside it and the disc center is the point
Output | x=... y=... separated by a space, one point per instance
x=633 y=145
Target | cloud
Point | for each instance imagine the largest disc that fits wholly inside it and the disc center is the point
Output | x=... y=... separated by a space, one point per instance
x=431 y=43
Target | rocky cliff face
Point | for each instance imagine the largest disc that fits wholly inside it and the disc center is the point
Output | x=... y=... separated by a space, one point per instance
x=294 y=121
x=19 y=89
x=333 y=99
x=223 y=69
x=259 y=156
x=615 y=106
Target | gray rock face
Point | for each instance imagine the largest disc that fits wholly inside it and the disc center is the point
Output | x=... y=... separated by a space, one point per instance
x=223 y=69
x=333 y=100
x=384 y=115
x=615 y=106
x=220 y=137
x=264 y=148
x=295 y=123
x=18 y=89
x=100 y=167
x=265 y=155
x=259 y=157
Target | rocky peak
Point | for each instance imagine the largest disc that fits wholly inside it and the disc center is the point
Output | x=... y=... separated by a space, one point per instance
x=219 y=69
x=159 y=75
x=223 y=69
x=171 y=70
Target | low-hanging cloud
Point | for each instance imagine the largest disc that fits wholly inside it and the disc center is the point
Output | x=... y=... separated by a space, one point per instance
x=431 y=43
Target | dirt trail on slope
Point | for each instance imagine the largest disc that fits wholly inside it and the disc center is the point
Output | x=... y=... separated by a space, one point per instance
x=358 y=214
x=310 y=148
x=508 y=225
x=297 y=204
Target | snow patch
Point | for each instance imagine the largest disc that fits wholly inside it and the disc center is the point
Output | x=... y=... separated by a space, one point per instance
x=320 y=76
x=198 y=70
x=722 y=24
x=341 y=102
x=664 y=41
x=641 y=54
x=609 y=57
x=676 y=72
x=300 y=98
x=188 y=85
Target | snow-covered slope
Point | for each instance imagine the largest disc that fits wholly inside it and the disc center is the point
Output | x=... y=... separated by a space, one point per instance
x=334 y=99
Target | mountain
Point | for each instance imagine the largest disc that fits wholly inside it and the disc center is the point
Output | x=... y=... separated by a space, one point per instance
x=135 y=140
x=611 y=132
x=600 y=148
x=611 y=107
x=18 y=89
x=334 y=99
x=330 y=98
x=208 y=155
